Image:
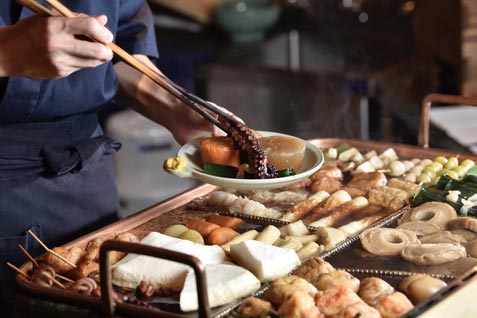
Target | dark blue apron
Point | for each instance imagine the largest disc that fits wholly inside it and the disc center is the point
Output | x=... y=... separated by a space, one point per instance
x=57 y=179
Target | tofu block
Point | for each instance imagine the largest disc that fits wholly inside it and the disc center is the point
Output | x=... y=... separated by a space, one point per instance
x=265 y=261
x=225 y=284
x=133 y=268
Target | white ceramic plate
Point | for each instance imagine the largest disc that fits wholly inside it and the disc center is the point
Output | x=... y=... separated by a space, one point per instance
x=312 y=161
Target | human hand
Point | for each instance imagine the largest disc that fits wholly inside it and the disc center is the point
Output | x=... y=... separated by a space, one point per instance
x=44 y=48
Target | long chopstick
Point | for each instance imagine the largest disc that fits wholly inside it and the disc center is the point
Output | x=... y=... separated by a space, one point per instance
x=187 y=98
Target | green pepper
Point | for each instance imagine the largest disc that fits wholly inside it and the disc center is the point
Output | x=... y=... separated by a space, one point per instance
x=286 y=172
x=220 y=170
x=471 y=175
x=430 y=194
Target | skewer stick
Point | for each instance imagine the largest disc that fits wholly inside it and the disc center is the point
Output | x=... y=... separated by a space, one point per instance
x=38 y=265
x=28 y=255
x=51 y=251
x=19 y=271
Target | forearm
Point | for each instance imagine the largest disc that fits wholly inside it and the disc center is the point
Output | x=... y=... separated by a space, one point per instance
x=145 y=96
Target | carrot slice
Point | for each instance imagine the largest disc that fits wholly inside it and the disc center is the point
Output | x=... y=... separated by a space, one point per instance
x=225 y=221
x=221 y=236
x=219 y=150
x=201 y=226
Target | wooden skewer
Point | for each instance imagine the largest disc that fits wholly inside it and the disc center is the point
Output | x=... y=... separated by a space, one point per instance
x=28 y=255
x=38 y=265
x=19 y=271
x=51 y=251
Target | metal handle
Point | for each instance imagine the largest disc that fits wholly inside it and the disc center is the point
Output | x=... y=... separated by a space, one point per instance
x=423 y=137
x=126 y=247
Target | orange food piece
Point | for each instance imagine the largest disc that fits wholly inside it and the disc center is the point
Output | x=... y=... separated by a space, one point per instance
x=201 y=226
x=219 y=150
x=225 y=221
x=221 y=236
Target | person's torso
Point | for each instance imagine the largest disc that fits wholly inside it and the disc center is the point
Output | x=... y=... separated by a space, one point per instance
x=27 y=100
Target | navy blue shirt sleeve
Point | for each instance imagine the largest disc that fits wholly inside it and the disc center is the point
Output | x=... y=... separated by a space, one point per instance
x=135 y=32
x=87 y=90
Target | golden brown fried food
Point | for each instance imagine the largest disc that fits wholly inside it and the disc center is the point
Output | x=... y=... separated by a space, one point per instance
x=73 y=255
x=374 y=288
x=333 y=300
x=358 y=309
x=299 y=305
x=329 y=172
x=85 y=267
x=393 y=305
x=327 y=184
x=116 y=256
x=339 y=277
x=254 y=307
x=367 y=181
x=312 y=268
x=283 y=287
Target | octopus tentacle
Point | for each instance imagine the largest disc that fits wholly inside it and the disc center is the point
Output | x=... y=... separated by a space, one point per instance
x=246 y=141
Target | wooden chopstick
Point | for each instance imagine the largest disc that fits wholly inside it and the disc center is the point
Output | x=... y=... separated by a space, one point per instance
x=187 y=98
x=50 y=250
x=36 y=7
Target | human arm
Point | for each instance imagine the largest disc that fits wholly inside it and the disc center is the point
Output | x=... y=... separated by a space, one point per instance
x=43 y=48
x=148 y=98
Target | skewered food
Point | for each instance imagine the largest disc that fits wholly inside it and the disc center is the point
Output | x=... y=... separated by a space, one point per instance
x=73 y=255
x=225 y=283
x=432 y=254
x=421 y=287
x=386 y=241
x=266 y=261
x=372 y=289
x=434 y=212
